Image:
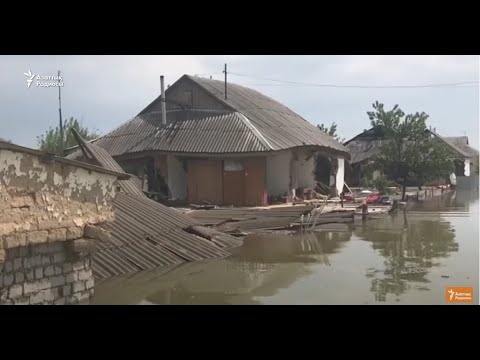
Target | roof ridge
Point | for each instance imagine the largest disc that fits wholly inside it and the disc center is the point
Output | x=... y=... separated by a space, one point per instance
x=254 y=130
x=451 y=144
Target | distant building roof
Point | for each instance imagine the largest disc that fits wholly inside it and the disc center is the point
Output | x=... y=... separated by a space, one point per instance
x=461 y=142
x=361 y=150
x=367 y=144
x=251 y=122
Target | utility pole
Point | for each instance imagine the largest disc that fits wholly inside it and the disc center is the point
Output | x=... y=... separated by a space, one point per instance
x=60 y=116
x=225 y=72
x=162 y=99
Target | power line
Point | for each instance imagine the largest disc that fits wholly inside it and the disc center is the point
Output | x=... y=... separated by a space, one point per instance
x=298 y=83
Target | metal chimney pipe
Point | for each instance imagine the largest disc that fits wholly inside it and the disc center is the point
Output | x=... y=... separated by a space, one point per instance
x=162 y=99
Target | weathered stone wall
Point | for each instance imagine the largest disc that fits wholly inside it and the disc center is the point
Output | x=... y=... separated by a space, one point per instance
x=35 y=218
x=45 y=274
x=46 y=213
x=34 y=173
x=45 y=202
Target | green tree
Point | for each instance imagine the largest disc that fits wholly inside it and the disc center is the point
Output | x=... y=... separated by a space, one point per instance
x=409 y=152
x=476 y=164
x=51 y=142
x=332 y=131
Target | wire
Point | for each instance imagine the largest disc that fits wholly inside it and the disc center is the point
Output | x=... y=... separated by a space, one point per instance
x=292 y=85
x=298 y=83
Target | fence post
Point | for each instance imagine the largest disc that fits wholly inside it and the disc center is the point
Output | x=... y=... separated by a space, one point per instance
x=364 y=210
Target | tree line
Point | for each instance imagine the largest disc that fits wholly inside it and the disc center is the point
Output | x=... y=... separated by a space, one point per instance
x=408 y=152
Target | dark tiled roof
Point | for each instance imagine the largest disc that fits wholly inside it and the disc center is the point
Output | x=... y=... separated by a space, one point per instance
x=253 y=123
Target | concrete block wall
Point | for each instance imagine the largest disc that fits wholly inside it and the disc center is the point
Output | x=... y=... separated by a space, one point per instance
x=50 y=273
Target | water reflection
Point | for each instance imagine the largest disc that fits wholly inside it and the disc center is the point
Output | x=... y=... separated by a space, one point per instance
x=452 y=201
x=303 y=247
x=412 y=243
x=264 y=264
x=396 y=258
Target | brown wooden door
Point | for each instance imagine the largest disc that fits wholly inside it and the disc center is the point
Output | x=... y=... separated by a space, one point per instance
x=255 y=179
x=234 y=188
x=205 y=181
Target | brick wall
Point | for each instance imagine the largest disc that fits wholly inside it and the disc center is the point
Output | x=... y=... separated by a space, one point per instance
x=47 y=213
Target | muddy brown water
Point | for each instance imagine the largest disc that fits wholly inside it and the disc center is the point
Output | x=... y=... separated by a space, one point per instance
x=403 y=259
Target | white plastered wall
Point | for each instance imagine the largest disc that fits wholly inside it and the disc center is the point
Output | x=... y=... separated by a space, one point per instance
x=278 y=173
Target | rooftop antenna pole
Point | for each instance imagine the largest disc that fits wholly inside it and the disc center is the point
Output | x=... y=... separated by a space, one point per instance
x=162 y=97
x=225 y=72
x=60 y=115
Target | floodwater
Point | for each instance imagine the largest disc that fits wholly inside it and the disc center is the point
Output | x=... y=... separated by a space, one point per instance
x=403 y=259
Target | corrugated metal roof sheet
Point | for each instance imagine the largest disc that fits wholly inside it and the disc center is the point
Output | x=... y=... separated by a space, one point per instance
x=107 y=162
x=255 y=123
x=225 y=133
x=280 y=126
x=452 y=144
x=461 y=142
x=189 y=131
x=146 y=234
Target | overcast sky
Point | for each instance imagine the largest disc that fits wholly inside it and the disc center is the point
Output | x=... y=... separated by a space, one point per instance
x=105 y=91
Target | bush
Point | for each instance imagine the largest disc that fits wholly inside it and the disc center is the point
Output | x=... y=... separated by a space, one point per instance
x=381 y=184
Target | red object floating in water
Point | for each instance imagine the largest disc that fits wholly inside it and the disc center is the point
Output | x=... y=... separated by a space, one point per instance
x=373 y=198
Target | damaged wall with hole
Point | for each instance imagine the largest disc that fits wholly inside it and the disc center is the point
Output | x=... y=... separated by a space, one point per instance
x=330 y=172
x=50 y=203
x=289 y=169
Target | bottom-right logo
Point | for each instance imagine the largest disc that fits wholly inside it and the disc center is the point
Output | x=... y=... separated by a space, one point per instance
x=459 y=294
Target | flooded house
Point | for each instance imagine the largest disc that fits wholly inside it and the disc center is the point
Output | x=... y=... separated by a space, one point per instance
x=468 y=154
x=218 y=142
x=365 y=146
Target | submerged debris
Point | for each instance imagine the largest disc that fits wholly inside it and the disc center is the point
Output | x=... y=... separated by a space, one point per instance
x=146 y=234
